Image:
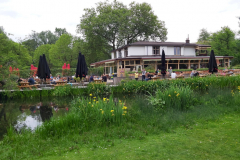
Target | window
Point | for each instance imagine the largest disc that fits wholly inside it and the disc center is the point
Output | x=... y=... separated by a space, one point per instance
x=177 y=51
x=119 y=54
x=131 y=62
x=125 y=52
x=115 y=55
x=126 y=62
x=137 y=61
x=156 y=51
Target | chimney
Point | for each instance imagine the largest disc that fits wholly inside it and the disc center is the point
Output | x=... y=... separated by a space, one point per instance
x=187 y=40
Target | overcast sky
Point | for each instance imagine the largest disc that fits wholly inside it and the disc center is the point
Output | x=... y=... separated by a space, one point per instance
x=182 y=17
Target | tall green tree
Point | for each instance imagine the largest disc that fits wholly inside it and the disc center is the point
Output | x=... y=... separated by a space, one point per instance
x=204 y=36
x=223 y=42
x=110 y=24
x=62 y=52
x=43 y=49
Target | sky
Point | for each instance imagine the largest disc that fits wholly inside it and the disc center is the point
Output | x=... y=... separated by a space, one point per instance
x=182 y=17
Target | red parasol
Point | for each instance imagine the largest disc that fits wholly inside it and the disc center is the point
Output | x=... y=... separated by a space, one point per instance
x=68 y=66
x=10 y=69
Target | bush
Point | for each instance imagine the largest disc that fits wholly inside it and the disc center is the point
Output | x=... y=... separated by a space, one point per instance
x=180 y=98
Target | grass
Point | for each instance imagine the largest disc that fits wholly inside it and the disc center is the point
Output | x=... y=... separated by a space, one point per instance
x=207 y=130
x=210 y=140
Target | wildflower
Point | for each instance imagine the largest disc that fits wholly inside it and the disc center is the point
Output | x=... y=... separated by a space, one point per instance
x=169 y=95
x=175 y=92
x=94 y=100
x=206 y=85
x=119 y=101
x=100 y=109
x=102 y=112
x=97 y=102
x=124 y=107
x=107 y=99
x=123 y=114
x=112 y=110
x=112 y=114
x=90 y=95
x=94 y=97
x=92 y=105
x=104 y=99
x=89 y=102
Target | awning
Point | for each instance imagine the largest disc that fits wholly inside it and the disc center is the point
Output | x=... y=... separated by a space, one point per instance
x=152 y=60
x=109 y=62
x=92 y=65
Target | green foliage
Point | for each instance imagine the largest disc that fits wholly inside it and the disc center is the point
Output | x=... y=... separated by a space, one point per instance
x=85 y=114
x=96 y=71
x=61 y=52
x=62 y=91
x=106 y=26
x=204 y=37
x=43 y=49
x=223 y=42
x=180 y=98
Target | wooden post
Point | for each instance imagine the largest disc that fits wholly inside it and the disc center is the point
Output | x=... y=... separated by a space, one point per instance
x=189 y=67
x=178 y=64
x=167 y=65
x=199 y=63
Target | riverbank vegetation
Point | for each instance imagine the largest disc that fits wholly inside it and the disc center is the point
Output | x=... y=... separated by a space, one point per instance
x=99 y=126
x=129 y=87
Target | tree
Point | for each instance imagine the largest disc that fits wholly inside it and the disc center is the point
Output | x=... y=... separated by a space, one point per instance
x=60 y=31
x=62 y=52
x=204 y=37
x=223 y=42
x=43 y=49
x=109 y=24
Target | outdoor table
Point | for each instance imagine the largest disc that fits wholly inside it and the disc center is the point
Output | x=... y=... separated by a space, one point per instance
x=61 y=83
x=155 y=78
x=178 y=77
x=97 y=80
x=24 y=85
x=202 y=75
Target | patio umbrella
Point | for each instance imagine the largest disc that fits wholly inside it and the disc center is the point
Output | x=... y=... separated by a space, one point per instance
x=43 y=71
x=212 y=63
x=82 y=69
x=163 y=69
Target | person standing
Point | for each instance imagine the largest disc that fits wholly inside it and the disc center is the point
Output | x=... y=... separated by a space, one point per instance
x=170 y=71
x=136 y=75
x=143 y=74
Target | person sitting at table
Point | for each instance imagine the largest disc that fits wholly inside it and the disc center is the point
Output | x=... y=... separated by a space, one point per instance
x=31 y=80
x=181 y=74
x=54 y=80
x=104 y=78
x=58 y=77
x=149 y=77
x=173 y=75
x=225 y=70
x=19 y=80
x=91 y=79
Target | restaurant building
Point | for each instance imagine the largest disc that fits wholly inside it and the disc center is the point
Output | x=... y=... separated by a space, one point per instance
x=179 y=55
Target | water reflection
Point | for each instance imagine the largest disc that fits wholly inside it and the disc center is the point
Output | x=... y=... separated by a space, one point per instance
x=29 y=114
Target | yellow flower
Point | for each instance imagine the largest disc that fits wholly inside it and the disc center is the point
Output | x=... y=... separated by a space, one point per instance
x=112 y=110
x=92 y=105
x=123 y=114
x=94 y=100
x=97 y=102
x=119 y=101
x=175 y=92
x=107 y=99
x=102 y=112
x=112 y=114
x=104 y=99
x=206 y=85
x=90 y=95
x=94 y=97
x=124 y=107
x=100 y=109
x=169 y=95
x=89 y=102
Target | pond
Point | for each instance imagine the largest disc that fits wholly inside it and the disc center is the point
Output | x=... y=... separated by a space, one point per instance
x=32 y=112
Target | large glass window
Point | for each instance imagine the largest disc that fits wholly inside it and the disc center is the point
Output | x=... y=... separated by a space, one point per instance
x=177 y=51
x=156 y=51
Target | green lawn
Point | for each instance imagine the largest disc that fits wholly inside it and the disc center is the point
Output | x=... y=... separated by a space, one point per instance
x=212 y=140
